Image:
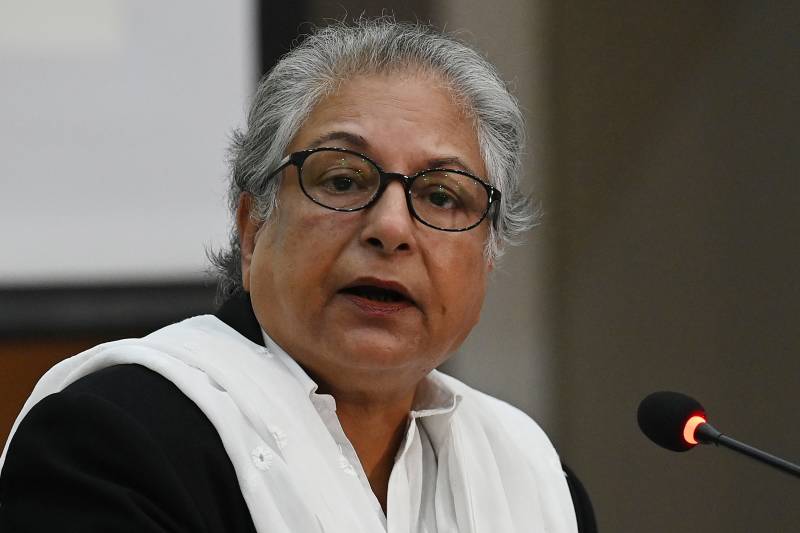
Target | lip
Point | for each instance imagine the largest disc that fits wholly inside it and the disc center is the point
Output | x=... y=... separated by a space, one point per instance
x=374 y=307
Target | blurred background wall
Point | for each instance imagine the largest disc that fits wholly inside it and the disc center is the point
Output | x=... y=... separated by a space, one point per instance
x=663 y=145
x=676 y=187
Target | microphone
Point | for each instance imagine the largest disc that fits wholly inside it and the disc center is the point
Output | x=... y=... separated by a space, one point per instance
x=679 y=423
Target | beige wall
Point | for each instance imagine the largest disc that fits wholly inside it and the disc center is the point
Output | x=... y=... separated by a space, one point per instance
x=676 y=185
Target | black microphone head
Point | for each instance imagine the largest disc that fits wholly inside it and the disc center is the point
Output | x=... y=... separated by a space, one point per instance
x=663 y=416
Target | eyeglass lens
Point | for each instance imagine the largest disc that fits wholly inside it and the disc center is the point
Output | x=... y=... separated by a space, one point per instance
x=341 y=180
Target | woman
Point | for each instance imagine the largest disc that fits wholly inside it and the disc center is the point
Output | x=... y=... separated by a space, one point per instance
x=373 y=191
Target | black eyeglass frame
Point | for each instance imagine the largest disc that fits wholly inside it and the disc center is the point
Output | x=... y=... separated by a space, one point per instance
x=298 y=158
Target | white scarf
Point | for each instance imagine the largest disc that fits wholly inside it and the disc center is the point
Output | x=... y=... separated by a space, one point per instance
x=498 y=472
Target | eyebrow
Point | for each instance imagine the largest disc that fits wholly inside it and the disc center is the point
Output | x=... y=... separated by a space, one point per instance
x=361 y=144
x=449 y=162
x=353 y=139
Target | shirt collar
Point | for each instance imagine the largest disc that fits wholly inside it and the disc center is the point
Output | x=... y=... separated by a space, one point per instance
x=434 y=397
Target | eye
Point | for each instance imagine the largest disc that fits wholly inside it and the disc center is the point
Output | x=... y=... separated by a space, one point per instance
x=439 y=196
x=342 y=184
x=439 y=191
x=342 y=181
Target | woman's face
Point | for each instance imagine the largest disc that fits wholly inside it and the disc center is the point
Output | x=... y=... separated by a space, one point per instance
x=316 y=277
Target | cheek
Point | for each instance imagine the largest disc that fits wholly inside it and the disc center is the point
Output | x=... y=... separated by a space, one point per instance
x=472 y=294
x=300 y=249
x=461 y=307
x=460 y=280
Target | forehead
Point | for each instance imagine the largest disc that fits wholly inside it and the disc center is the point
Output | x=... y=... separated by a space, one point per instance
x=397 y=118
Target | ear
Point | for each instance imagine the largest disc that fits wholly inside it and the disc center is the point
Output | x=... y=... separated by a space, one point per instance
x=247 y=227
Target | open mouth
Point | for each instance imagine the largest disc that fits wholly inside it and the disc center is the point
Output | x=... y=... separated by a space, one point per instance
x=376 y=294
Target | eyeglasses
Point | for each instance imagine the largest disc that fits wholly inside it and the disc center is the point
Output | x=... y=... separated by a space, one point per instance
x=343 y=180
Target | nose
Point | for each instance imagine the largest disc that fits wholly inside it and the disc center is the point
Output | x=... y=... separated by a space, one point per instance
x=389 y=226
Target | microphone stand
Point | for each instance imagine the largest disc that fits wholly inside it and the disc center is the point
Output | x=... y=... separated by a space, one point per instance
x=708 y=434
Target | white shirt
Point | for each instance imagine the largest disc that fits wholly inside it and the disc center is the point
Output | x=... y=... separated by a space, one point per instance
x=483 y=467
x=412 y=483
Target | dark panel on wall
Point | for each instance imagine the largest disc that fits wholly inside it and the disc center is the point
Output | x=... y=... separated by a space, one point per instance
x=403 y=10
x=115 y=309
x=279 y=24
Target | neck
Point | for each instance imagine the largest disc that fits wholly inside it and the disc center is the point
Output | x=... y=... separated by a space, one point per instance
x=374 y=418
x=376 y=431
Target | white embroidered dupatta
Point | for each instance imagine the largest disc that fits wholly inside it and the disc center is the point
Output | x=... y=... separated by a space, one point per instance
x=497 y=473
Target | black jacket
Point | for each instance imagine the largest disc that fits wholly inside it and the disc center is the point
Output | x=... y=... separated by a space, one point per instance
x=123 y=450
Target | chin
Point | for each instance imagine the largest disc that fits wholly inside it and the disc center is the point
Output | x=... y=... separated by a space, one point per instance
x=376 y=352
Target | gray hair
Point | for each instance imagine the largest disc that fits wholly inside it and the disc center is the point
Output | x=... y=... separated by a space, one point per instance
x=333 y=54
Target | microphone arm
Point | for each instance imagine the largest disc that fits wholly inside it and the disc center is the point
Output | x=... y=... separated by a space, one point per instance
x=708 y=434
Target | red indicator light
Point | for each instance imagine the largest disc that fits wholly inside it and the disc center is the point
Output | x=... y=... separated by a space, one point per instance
x=690 y=427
